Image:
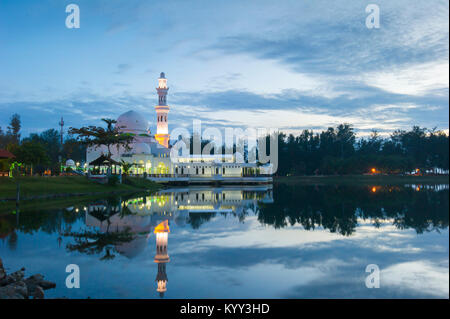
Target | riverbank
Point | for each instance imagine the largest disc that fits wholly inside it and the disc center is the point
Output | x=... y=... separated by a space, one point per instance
x=33 y=188
x=16 y=286
x=361 y=180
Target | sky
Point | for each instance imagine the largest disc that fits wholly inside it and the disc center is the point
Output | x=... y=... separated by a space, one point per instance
x=287 y=65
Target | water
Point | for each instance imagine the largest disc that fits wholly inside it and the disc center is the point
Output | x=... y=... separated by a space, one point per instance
x=289 y=241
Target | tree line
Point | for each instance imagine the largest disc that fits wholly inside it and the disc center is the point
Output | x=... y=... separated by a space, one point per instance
x=39 y=151
x=338 y=151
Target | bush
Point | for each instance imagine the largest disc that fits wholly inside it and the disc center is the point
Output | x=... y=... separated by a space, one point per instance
x=113 y=180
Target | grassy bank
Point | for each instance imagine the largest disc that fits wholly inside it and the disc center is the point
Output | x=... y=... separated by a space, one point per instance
x=62 y=186
x=362 y=180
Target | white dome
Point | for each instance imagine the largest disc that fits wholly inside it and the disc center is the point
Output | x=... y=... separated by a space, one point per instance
x=70 y=162
x=140 y=148
x=132 y=122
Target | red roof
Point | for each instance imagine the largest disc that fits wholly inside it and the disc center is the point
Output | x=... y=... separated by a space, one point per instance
x=6 y=154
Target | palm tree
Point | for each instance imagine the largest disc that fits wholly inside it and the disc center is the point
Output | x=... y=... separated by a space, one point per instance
x=126 y=167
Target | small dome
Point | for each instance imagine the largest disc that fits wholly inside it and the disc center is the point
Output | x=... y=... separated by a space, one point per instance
x=70 y=162
x=162 y=75
x=140 y=148
x=132 y=122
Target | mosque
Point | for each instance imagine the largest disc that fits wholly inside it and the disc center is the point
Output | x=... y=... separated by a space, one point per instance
x=150 y=153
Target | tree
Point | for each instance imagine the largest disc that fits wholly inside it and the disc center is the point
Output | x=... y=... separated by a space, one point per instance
x=14 y=128
x=73 y=149
x=50 y=139
x=96 y=136
x=30 y=153
x=345 y=137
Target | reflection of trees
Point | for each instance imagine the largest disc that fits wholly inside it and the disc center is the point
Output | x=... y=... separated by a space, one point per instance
x=197 y=219
x=94 y=242
x=48 y=221
x=334 y=208
x=337 y=208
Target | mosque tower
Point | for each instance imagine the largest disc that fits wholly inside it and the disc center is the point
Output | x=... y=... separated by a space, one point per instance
x=162 y=111
x=162 y=257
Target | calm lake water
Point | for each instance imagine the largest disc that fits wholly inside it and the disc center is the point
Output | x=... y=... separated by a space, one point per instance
x=285 y=241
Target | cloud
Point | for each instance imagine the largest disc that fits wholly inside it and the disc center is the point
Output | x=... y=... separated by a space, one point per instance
x=421 y=276
x=422 y=79
x=295 y=65
x=330 y=41
x=290 y=111
x=122 y=68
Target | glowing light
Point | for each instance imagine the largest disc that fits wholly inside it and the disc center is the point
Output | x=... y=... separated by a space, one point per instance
x=162 y=83
x=374 y=189
x=162 y=227
x=373 y=170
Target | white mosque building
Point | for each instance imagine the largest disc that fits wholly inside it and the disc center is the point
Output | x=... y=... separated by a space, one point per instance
x=150 y=153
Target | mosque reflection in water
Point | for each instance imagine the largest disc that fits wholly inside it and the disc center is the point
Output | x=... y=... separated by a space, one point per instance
x=134 y=220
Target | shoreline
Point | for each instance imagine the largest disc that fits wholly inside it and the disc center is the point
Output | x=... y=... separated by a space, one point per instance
x=16 y=286
x=69 y=195
x=361 y=179
x=40 y=188
x=71 y=187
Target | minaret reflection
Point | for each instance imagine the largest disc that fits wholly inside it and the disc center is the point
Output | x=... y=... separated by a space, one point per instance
x=162 y=257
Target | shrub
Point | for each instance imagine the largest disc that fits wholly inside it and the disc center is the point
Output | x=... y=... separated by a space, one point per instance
x=113 y=180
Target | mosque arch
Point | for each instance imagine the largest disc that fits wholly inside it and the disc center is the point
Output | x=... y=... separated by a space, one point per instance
x=162 y=168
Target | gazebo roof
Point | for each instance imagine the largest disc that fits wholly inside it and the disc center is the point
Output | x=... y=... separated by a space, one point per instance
x=6 y=154
x=103 y=161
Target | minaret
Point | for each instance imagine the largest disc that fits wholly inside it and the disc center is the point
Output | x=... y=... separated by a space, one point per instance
x=162 y=110
x=162 y=257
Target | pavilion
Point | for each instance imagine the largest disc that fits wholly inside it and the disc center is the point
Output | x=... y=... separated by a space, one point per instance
x=103 y=162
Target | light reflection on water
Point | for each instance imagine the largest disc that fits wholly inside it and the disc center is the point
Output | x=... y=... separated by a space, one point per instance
x=291 y=241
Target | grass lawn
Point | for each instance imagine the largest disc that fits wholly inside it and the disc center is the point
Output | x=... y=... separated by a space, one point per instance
x=362 y=179
x=35 y=187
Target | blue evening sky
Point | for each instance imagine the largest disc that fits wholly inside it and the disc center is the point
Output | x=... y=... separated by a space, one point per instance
x=282 y=64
